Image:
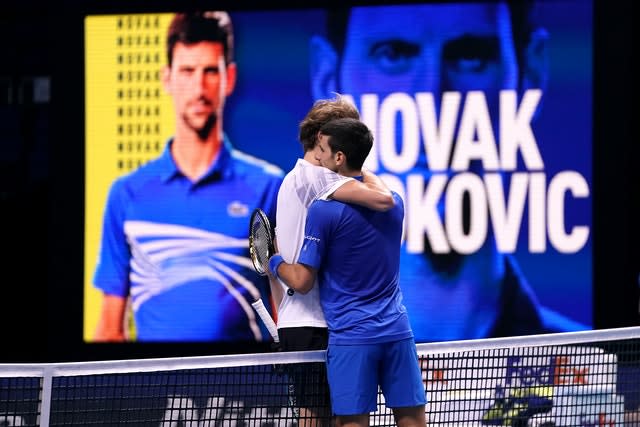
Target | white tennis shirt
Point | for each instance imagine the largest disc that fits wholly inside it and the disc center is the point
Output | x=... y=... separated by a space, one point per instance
x=301 y=186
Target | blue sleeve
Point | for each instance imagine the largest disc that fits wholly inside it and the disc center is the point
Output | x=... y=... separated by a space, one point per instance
x=112 y=271
x=317 y=232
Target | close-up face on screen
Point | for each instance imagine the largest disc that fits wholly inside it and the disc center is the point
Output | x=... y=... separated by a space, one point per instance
x=479 y=113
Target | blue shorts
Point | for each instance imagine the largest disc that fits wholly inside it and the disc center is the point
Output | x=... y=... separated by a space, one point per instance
x=355 y=371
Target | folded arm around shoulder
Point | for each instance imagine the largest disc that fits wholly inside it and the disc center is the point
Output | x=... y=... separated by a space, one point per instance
x=372 y=192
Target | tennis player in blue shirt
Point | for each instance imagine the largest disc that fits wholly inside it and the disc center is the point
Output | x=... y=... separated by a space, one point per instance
x=175 y=236
x=355 y=253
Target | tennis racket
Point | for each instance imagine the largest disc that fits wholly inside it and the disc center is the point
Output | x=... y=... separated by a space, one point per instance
x=261 y=246
x=258 y=305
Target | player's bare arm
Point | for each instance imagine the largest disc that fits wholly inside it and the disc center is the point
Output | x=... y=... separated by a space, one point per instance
x=111 y=324
x=372 y=192
x=299 y=277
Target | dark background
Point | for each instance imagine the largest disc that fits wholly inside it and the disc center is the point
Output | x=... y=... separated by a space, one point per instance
x=42 y=173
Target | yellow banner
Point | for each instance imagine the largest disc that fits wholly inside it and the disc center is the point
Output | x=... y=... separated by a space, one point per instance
x=128 y=119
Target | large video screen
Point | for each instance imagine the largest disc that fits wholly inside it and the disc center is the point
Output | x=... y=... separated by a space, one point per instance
x=481 y=114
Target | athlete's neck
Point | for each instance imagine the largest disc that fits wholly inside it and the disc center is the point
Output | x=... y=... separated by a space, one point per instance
x=350 y=172
x=311 y=158
x=193 y=155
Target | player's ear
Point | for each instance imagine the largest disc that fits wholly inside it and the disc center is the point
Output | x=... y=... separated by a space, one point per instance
x=535 y=69
x=323 y=64
x=232 y=73
x=165 y=75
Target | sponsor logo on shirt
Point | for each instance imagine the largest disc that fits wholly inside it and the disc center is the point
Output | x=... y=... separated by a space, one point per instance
x=237 y=209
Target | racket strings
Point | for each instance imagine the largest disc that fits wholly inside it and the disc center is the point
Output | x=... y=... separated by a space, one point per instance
x=261 y=244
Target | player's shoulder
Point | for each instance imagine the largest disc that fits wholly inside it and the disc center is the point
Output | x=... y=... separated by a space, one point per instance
x=248 y=163
x=291 y=176
x=326 y=207
x=148 y=172
x=397 y=198
x=554 y=322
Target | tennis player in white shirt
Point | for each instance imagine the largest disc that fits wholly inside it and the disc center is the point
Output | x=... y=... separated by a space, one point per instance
x=300 y=321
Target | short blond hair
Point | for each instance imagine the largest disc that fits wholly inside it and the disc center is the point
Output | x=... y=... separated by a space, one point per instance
x=323 y=111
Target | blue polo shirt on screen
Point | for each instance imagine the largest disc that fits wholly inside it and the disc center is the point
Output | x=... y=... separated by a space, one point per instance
x=180 y=248
x=357 y=254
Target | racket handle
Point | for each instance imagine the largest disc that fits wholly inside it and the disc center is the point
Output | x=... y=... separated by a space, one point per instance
x=258 y=305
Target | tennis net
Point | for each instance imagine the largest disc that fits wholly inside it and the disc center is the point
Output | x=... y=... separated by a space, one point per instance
x=588 y=378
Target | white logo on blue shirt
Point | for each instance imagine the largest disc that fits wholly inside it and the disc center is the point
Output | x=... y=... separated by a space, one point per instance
x=237 y=209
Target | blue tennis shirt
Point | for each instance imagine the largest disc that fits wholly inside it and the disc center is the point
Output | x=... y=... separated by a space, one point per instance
x=180 y=248
x=357 y=254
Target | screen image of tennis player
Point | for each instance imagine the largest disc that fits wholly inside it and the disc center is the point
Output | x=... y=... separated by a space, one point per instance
x=494 y=186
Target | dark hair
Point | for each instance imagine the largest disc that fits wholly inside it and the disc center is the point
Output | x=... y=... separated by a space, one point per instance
x=194 y=27
x=350 y=136
x=323 y=111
